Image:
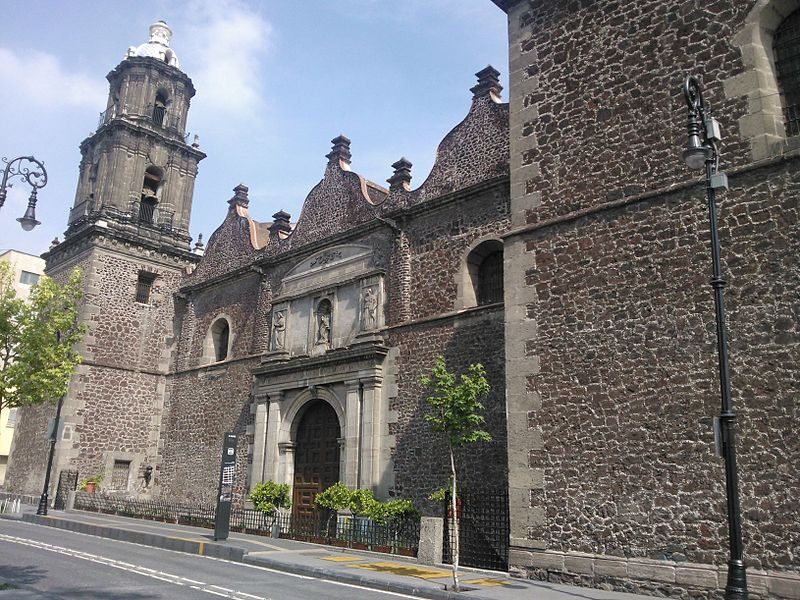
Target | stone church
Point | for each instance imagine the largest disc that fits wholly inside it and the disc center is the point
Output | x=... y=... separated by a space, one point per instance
x=558 y=239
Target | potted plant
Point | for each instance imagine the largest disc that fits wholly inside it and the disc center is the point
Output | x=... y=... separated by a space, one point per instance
x=90 y=484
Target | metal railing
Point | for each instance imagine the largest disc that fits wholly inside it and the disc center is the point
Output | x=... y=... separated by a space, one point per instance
x=23 y=498
x=483 y=527
x=399 y=536
x=791 y=116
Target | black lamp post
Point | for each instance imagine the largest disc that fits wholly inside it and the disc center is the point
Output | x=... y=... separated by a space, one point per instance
x=43 y=499
x=32 y=172
x=701 y=151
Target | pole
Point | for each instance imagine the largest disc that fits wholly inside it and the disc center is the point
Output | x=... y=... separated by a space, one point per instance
x=736 y=588
x=43 y=500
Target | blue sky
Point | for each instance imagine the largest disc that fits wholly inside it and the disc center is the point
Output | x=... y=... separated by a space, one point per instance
x=276 y=81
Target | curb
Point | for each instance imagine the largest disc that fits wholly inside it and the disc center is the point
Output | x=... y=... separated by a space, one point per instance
x=234 y=554
x=353 y=578
x=146 y=539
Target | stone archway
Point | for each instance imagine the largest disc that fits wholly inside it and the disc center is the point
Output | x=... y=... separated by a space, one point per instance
x=316 y=458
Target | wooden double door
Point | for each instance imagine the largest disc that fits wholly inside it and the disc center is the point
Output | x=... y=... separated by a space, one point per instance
x=316 y=459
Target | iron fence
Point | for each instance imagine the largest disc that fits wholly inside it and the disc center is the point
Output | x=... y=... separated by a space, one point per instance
x=483 y=529
x=396 y=536
x=67 y=482
x=23 y=498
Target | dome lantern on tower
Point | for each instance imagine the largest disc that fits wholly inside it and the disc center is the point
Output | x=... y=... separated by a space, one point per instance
x=157 y=46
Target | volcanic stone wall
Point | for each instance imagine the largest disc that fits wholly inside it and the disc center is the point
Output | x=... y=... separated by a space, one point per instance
x=437 y=241
x=610 y=339
x=206 y=398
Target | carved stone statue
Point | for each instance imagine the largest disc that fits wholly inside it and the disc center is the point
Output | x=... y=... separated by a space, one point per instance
x=279 y=331
x=369 y=310
x=324 y=329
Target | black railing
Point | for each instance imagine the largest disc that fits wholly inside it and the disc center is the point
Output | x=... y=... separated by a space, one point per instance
x=483 y=528
x=399 y=536
x=151 y=214
x=791 y=116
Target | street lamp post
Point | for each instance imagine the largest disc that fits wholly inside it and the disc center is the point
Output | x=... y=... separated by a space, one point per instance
x=32 y=172
x=43 y=499
x=702 y=152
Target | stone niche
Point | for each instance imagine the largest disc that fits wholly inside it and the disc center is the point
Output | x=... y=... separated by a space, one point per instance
x=330 y=300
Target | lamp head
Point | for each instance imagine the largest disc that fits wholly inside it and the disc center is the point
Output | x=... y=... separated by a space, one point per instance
x=28 y=220
x=696 y=153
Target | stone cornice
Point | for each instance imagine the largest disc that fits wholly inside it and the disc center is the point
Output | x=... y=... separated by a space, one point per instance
x=372 y=352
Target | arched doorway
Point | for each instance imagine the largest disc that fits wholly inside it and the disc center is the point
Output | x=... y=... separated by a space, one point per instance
x=316 y=459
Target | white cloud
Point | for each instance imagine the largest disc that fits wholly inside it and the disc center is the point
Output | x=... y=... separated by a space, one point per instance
x=38 y=79
x=228 y=42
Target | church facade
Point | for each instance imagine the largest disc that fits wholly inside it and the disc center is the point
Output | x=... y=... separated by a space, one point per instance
x=558 y=239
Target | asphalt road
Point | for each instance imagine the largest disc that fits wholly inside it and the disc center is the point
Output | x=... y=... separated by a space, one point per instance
x=38 y=563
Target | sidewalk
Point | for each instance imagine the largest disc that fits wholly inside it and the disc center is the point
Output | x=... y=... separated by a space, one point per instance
x=372 y=570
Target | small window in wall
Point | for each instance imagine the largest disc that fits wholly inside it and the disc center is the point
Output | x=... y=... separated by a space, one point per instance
x=144 y=286
x=220 y=337
x=12 y=418
x=490 y=279
x=485 y=272
x=786 y=44
x=120 y=474
x=28 y=278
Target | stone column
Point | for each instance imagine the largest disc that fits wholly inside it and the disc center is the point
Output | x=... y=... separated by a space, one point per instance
x=352 y=435
x=371 y=434
x=257 y=472
x=286 y=463
x=271 y=451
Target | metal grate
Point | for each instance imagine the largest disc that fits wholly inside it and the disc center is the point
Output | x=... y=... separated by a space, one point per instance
x=67 y=482
x=484 y=529
x=786 y=44
x=120 y=475
x=143 y=287
x=147 y=209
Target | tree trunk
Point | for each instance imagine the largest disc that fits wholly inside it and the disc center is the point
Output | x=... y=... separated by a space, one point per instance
x=453 y=501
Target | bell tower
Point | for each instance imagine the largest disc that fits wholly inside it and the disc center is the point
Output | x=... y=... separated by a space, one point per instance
x=128 y=232
x=137 y=170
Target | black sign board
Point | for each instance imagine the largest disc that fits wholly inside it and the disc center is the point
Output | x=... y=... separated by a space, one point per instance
x=226 y=475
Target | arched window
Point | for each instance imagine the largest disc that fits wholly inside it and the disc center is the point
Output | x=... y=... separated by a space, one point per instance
x=490 y=278
x=484 y=274
x=160 y=108
x=786 y=44
x=151 y=190
x=220 y=338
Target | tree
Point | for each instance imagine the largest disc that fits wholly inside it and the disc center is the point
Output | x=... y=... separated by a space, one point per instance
x=269 y=496
x=38 y=339
x=456 y=413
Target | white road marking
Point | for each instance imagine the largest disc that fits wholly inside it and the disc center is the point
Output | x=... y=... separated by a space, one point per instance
x=241 y=564
x=124 y=566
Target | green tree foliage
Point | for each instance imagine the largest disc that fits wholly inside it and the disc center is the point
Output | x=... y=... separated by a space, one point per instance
x=38 y=339
x=362 y=503
x=336 y=497
x=269 y=496
x=457 y=414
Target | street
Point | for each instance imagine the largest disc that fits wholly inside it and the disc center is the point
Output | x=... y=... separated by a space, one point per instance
x=44 y=563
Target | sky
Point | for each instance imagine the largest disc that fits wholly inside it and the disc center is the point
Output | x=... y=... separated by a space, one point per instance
x=276 y=80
